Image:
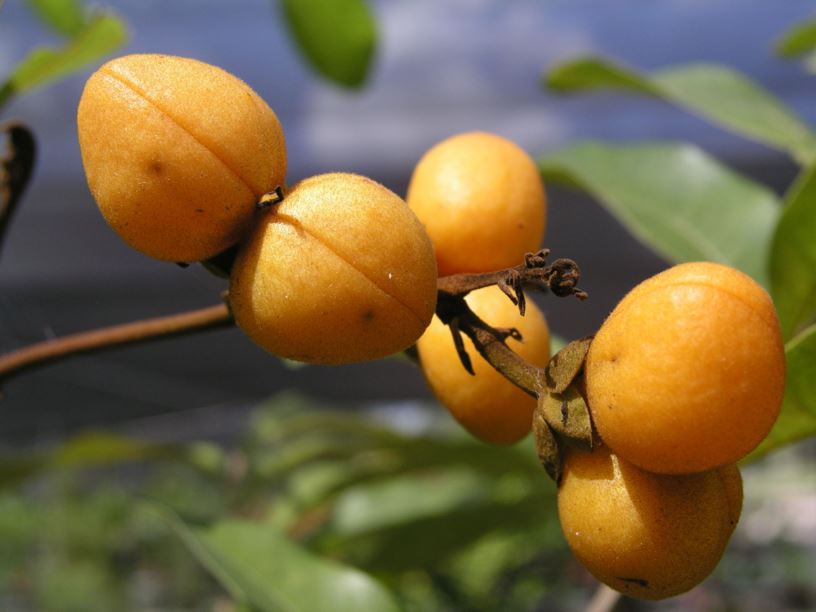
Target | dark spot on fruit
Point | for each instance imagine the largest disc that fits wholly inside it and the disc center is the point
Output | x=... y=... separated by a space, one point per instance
x=199 y=210
x=156 y=167
x=638 y=581
x=368 y=315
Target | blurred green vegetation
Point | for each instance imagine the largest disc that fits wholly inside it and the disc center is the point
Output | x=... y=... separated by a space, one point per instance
x=288 y=517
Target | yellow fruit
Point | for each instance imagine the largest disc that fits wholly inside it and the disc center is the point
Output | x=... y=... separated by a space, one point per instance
x=688 y=371
x=340 y=271
x=646 y=535
x=177 y=153
x=488 y=405
x=482 y=201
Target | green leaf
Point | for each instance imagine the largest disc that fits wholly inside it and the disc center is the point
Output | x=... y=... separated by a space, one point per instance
x=719 y=94
x=65 y=17
x=263 y=568
x=419 y=521
x=404 y=499
x=588 y=73
x=314 y=436
x=98 y=448
x=101 y=36
x=793 y=256
x=797 y=420
x=337 y=37
x=676 y=199
x=800 y=39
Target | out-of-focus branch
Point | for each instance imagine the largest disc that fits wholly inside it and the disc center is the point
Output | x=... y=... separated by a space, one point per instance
x=42 y=353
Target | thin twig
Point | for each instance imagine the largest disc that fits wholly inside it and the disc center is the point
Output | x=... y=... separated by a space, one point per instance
x=490 y=343
x=560 y=278
x=49 y=351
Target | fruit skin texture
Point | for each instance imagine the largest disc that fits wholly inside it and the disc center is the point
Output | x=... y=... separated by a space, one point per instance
x=177 y=152
x=341 y=271
x=488 y=405
x=646 y=535
x=482 y=201
x=688 y=371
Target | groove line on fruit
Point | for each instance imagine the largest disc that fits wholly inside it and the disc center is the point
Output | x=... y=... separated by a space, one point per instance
x=702 y=283
x=299 y=226
x=142 y=94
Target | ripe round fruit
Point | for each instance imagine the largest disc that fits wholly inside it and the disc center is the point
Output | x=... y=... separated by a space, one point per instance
x=482 y=201
x=177 y=153
x=340 y=271
x=688 y=371
x=646 y=535
x=488 y=405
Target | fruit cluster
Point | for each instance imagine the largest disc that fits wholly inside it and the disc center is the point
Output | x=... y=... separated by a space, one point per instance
x=683 y=379
x=641 y=426
x=181 y=158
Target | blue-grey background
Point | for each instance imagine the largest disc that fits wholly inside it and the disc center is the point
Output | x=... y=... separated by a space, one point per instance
x=443 y=66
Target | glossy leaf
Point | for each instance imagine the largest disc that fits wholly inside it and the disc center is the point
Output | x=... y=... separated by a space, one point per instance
x=264 y=569
x=99 y=37
x=797 y=419
x=720 y=94
x=793 y=256
x=337 y=37
x=800 y=39
x=65 y=17
x=676 y=199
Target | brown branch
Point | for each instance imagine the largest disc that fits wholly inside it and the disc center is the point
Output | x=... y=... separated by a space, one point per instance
x=560 y=278
x=489 y=341
x=49 y=351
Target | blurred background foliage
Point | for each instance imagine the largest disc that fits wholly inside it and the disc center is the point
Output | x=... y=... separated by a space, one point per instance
x=317 y=508
x=314 y=507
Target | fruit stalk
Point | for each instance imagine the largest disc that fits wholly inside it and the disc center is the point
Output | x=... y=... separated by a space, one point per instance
x=560 y=278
